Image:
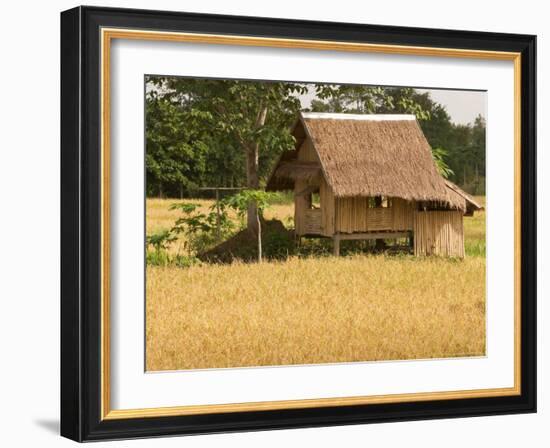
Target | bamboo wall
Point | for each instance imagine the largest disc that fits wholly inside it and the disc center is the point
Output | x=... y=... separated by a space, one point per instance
x=353 y=215
x=439 y=233
x=347 y=215
x=327 y=209
x=403 y=213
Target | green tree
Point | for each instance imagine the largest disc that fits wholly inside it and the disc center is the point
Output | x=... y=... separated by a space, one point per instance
x=439 y=155
x=367 y=100
x=253 y=116
x=466 y=155
x=176 y=154
x=478 y=151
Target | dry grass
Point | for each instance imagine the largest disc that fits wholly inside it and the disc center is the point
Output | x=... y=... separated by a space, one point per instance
x=314 y=311
x=474 y=226
x=159 y=217
x=305 y=311
x=474 y=231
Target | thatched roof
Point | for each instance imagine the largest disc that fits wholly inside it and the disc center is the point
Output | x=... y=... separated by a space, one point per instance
x=309 y=171
x=370 y=155
x=278 y=181
x=470 y=204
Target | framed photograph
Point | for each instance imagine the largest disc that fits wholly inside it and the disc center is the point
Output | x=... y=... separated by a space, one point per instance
x=277 y=224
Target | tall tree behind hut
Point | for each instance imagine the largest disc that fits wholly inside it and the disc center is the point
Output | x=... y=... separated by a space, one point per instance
x=367 y=100
x=253 y=116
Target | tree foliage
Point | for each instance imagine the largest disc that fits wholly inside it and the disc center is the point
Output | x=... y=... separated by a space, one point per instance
x=206 y=132
x=240 y=201
x=439 y=155
x=368 y=100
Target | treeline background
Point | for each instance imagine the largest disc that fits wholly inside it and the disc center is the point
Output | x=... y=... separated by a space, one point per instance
x=198 y=130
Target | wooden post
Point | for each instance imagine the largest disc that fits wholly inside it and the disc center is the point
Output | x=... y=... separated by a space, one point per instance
x=259 y=223
x=380 y=243
x=218 y=235
x=336 y=248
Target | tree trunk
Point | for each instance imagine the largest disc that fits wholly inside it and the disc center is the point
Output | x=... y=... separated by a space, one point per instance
x=252 y=176
x=252 y=182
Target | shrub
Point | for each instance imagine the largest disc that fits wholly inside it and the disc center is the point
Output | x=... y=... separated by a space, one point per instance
x=160 y=240
x=157 y=258
x=202 y=230
x=183 y=261
x=278 y=245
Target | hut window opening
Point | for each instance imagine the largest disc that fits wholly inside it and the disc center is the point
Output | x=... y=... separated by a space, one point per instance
x=428 y=206
x=315 y=200
x=311 y=197
x=379 y=202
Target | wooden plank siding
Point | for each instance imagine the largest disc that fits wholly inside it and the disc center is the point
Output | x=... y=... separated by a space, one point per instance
x=312 y=222
x=300 y=206
x=439 y=233
x=307 y=153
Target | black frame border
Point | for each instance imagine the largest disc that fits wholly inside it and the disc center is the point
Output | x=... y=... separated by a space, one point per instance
x=81 y=223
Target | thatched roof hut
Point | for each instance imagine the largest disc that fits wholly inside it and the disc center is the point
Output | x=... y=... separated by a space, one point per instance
x=350 y=158
x=366 y=156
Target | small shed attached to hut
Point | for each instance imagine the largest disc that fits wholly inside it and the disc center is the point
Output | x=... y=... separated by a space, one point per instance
x=375 y=179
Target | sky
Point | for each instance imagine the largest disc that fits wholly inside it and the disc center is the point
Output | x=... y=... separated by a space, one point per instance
x=462 y=105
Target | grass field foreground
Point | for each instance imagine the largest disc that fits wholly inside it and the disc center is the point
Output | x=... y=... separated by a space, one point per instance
x=313 y=310
x=308 y=311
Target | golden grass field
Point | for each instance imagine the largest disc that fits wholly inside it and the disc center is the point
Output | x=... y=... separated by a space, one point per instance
x=313 y=310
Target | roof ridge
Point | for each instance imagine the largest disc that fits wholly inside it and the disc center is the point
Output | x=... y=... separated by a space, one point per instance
x=366 y=117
